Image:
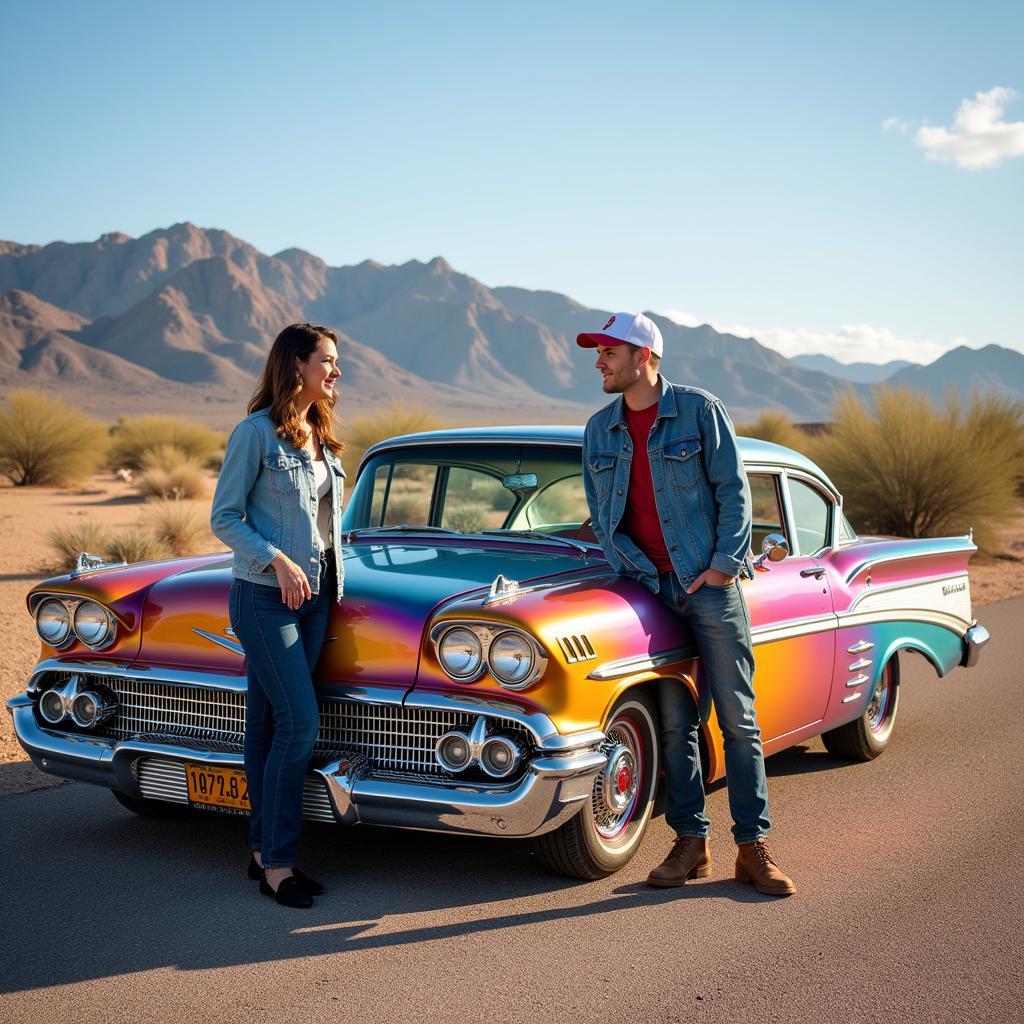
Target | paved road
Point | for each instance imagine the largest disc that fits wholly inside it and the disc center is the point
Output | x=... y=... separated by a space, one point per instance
x=909 y=907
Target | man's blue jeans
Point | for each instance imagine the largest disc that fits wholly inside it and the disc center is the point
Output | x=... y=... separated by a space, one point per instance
x=721 y=628
x=282 y=718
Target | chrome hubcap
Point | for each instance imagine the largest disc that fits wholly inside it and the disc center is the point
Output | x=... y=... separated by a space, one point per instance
x=878 y=710
x=617 y=788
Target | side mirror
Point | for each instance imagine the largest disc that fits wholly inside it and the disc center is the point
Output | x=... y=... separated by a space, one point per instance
x=774 y=548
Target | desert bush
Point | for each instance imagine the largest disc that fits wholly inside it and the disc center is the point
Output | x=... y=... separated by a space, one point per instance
x=131 y=440
x=135 y=544
x=68 y=542
x=169 y=473
x=45 y=441
x=470 y=517
x=776 y=427
x=366 y=431
x=911 y=469
x=177 y=526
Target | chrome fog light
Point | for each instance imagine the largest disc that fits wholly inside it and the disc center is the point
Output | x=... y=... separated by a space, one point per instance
x=90 y=708
x=499 y=757
x=94 y=625
x=511 y=659
x=453 y=751
x=461 y=653
x=51 y=706
x=53 y=624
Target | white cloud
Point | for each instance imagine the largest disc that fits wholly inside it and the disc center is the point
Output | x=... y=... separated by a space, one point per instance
x=851 y=343
x=979 y=137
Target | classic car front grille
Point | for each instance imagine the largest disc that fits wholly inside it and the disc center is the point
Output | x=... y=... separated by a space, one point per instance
x=391 y=737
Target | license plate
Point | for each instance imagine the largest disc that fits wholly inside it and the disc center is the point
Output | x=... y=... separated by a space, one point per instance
x=222 y=788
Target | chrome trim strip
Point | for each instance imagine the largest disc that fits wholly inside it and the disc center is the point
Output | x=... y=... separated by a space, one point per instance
x=643 y=663
x=856 y=666
x=857 y=680
x=152 y=674
x=853 y=696
x=925 y=615
x=232 y=645
x=895 y=556
x=793 y=628
x=859 y=646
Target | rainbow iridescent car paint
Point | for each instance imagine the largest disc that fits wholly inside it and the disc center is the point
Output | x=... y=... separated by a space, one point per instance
x=486 y=672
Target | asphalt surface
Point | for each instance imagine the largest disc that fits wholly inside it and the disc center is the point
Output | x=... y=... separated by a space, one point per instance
x=909 y=906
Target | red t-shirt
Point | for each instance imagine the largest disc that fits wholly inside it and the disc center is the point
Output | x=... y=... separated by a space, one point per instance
x=640 y=520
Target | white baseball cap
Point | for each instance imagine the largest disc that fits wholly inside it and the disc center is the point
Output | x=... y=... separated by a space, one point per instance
x=625 y=329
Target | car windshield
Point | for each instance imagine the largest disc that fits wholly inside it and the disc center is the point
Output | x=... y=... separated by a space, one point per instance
x=471 y=488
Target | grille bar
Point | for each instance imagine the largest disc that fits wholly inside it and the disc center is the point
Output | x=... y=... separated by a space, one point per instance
x=391 y=737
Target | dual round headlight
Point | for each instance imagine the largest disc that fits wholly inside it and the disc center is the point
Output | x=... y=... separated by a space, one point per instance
x=509 y=656
x=89 y=622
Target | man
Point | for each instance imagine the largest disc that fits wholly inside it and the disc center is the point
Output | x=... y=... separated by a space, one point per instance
x=670 y=505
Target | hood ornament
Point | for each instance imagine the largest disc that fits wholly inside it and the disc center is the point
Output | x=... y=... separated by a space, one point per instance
x=502 y=589
x=93 y=563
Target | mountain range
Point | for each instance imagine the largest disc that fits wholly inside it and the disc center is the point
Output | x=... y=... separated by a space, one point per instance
x=186 y=314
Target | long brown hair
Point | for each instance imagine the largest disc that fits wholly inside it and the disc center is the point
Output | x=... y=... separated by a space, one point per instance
x=280 y=385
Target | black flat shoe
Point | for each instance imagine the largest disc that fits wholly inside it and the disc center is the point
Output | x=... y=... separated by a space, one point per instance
x=312 y=886
x=290 y=893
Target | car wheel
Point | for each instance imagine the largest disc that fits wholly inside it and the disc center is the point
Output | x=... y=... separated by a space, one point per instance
x=149 y=808
x=606 y=833
x=866 y=737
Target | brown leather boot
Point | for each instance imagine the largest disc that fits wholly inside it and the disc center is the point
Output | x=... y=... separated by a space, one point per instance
x=754 y=865
x=688 y=858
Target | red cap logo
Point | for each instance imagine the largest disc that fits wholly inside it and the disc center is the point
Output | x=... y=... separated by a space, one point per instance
x=611 y=320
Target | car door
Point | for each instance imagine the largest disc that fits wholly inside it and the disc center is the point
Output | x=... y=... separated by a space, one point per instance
x=790 y=602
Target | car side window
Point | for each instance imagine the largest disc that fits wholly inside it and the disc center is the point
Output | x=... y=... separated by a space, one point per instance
x=559 y=506
x=766 y=509
x=402 y=495
x=811 y=514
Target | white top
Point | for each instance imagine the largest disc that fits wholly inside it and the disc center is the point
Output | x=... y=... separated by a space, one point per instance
x=322 y=476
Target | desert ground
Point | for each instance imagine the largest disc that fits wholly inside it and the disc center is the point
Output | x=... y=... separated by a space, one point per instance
x=27 y=514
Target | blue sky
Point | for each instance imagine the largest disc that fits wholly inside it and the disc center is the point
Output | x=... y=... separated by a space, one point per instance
x=724 y=161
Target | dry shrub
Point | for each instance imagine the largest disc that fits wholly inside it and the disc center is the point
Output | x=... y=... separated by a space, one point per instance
x=44 y=441
x=366 y=431
x=133 y=439
x=135 y=544
x=178 y=527
x=168 y=472
x=470 y=517
x=776 y=427
x=910 y=469
x=68 y=542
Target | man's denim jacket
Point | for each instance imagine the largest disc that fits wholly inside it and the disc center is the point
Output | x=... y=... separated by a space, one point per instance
x=700 y=486
x=266 y=502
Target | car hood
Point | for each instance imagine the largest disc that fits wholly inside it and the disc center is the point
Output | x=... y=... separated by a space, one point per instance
x=375 y=635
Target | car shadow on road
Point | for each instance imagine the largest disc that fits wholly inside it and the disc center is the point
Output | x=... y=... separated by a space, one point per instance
x=93 y=891
x=802 y=759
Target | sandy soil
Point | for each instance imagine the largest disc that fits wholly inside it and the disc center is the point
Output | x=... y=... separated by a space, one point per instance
x=27 y=514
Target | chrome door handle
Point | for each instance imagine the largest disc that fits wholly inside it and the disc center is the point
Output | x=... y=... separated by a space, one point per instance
x=817 y=572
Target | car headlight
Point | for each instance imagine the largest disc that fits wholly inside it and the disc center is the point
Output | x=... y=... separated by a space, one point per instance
x=511 y=658
x=461 y=653
x=53 y=623
x=94 y=625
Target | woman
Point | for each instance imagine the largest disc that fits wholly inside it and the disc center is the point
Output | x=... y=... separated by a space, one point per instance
x=278 y=507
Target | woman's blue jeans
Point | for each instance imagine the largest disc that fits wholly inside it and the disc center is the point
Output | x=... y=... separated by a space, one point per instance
x=721 y=629
x=282 y=647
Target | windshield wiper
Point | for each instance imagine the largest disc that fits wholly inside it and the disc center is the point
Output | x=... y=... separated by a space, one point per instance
x=579 y=546
x=403 y=528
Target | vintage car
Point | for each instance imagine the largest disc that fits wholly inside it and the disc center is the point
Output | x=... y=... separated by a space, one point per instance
x=486 y=672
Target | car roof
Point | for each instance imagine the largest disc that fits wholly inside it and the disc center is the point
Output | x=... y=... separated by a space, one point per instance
x=753 y=451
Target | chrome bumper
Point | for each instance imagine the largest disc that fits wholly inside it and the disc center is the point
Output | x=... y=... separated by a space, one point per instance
x=975 y=638
x=557 y=783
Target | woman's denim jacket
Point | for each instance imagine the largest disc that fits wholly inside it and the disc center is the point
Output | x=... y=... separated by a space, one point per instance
x=266 y=503
x=700 y=486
